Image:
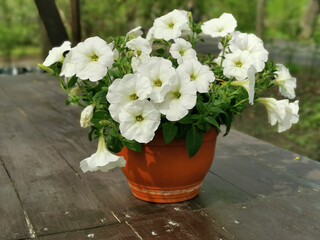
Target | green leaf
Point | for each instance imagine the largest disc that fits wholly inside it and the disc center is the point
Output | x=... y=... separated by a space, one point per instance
x=169 y=131
x=186 y=120
x=90 y=134
x=183 y=129
x=212 y=121
x=115 y=73
x=201 y=107
x=97 y=117
x=160 y=51
x=72 y=81
x=133 y=145
x=193 y=141
x=45 y=68
x=100 y=97
x=216 y=112
x=228 y=122
x=114 y=144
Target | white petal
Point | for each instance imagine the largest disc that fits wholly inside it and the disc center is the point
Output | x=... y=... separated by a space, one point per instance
x=121 y=91
x=170 y=26
x=286 y=82
x=140 y=130
x=68 y=68
x=86 y=116
x=134 y=33
x=92 y=58
x=220 y=27
x=102 y=160
x=56 y=54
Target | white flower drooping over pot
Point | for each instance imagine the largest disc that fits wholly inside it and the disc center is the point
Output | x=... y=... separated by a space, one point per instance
x=102 y=160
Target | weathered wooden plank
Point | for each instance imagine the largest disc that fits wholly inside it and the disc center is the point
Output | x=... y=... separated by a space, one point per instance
x=273 y=217
x=253 y=175
x=111 y=232
x=260 y=168
x=185 y=226
x=60 y=126
x=12 y=220
x=53 y=195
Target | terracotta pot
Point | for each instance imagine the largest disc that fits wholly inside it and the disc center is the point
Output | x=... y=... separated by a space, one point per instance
x=164 y=173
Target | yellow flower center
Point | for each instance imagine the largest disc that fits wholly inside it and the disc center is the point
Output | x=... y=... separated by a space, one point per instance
x=182 y=51
x=177 y=94
x=171 y=25
x=238 y=64
x=94 y=57
x=157 y=83
x=193 y=77
x=139 y=118
x=133 y=96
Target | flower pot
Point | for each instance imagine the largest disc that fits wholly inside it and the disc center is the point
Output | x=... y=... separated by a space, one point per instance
x=164 y=173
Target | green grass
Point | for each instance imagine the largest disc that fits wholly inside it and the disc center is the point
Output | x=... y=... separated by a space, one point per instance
x=26 y=51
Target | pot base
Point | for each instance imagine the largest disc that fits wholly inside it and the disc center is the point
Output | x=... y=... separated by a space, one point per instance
x=165 y=195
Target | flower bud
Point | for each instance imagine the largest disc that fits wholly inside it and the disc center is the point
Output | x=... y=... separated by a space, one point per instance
x=86 y=116
x=104 y=122
x=74 y=92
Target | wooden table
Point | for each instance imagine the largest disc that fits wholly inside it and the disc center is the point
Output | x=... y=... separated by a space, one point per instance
x=254 y=190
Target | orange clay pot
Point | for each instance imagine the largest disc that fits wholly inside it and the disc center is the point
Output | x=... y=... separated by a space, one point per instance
x=164 y=173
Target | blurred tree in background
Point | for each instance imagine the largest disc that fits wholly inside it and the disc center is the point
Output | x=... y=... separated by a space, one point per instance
x=20 y=25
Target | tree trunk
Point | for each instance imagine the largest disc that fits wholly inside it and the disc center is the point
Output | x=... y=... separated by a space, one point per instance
x=260 y=18
x=76 y=27
x=309 y=18
x=52 y=21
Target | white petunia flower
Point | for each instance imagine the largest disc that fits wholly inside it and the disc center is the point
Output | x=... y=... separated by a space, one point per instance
x=200 y=75
x=140 y=46
x=252 y=44
x=102 y=160
x=68 y=68
x=171 y=25
x=286 y=82
x=92 y=58
x=114 y=50
x=150 y=35
x=237 y=64
x=139 y=121
x=220 y=27
x=248 y=84
x=136 y=62
x=182 y=50
x=86 y=116
x=290 y=117
x=181 y=97
x=131 y=87
x=134 y=33
x=276 y=109
x=56 y=54
x=159 y=71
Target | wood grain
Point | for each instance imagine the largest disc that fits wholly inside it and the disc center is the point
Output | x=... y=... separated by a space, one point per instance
x=12 y=220
x=51 y=192
x=254 y=190
x=110 y=232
